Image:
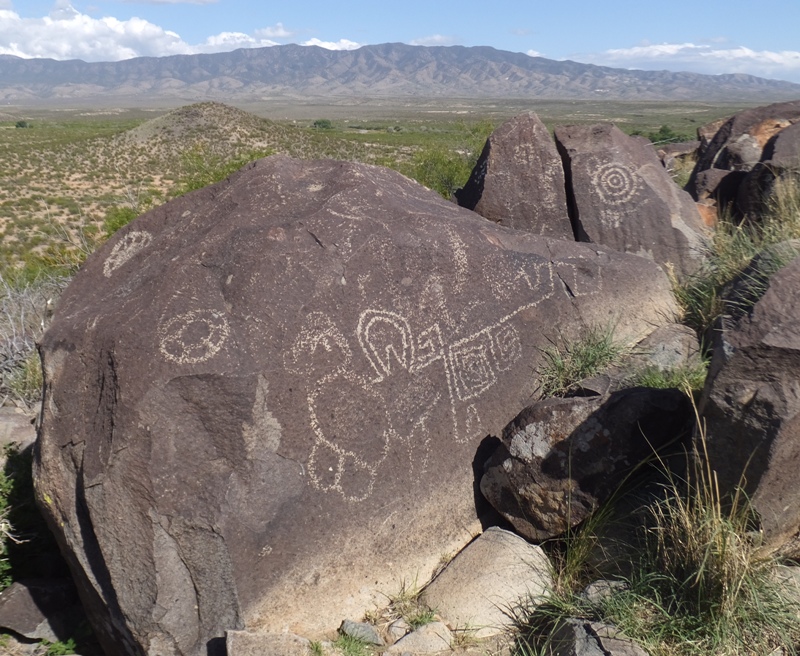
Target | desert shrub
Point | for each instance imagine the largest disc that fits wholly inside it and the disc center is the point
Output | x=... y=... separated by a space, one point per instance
x=322 y=124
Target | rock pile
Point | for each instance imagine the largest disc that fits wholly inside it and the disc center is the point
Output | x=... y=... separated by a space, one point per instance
x=270 y=402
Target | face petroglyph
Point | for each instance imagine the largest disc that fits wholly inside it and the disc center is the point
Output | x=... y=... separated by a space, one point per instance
x=193 y=337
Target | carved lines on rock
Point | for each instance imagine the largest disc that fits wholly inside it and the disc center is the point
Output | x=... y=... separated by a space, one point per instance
x=194 y=336
x=125 y=249
x=615 y=183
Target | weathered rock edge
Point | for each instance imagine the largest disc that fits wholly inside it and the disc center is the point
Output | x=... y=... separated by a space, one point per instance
x=263 y=400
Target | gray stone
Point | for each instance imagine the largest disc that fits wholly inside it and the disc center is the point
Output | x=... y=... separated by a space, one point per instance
x=598 y=591
x=751 y=407
x=428 y=639
x=668 y=347
x=41 y=609
x=574 y=637
x=483 y=585
x=622 y=197
x=561 y=458
x=264 y=398
x=519 y=180
x=246 y=643
x=361 y=631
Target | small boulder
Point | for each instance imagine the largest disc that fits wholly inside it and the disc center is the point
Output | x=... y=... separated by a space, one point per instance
x=561 y=458
x=519 y=181
x=428 y=639
x=621 y=196
x=44 y=609
x=483 y=585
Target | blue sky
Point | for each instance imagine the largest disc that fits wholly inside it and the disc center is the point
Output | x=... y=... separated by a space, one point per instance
x=715 y=36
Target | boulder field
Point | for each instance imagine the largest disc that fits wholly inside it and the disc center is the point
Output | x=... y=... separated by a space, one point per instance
x=267 y=403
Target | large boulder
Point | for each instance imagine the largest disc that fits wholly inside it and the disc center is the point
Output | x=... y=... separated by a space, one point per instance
x=519 y=181
x=622 y=197
x=751 y=405
x=263 y=400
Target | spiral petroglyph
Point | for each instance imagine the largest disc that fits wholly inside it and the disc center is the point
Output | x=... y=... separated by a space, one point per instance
x=615 y=183
x=125 y=249
x=194 y=336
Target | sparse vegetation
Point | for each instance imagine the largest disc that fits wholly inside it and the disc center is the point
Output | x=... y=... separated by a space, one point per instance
x=565 y=365
x=733 y=246
x=691 y=376
x=349 y=646
x=702 y=585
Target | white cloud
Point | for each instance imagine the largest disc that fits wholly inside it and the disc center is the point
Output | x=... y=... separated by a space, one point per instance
x=435 y=40
x=68 y=34
x=341 y=44
x=170 y=2
x=701 y=58
x=277 y=31
x=534 y=53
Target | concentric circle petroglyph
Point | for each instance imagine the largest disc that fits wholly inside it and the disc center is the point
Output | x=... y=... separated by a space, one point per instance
x=615 y=183
x=194 y=336
x=125 y=249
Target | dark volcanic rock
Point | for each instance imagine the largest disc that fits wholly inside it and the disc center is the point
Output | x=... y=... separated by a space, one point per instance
x=263 y=400
x=622 y=197
x=781 y=157
x=751 y=404
x=519 y=181
x=561 y=458
x=739 y=141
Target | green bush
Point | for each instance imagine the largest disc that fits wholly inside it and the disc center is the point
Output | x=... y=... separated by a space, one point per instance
x=322 y=124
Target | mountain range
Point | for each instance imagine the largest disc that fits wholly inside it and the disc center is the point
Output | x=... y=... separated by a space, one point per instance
x=386 y=70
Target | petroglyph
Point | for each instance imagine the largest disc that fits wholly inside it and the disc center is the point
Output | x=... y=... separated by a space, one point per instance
x=399 y=384
x=194 y=336
x=132 y=243
x=616 y=183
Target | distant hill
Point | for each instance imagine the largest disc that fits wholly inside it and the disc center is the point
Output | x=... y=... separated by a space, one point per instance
x=391 y=69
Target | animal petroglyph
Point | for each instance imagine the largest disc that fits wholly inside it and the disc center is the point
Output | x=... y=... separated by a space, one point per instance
x=616 y=184
x=399 y=385
x=132 y=243
x=194 y=336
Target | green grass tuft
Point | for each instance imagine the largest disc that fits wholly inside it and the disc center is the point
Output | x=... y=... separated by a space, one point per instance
x=565 y=366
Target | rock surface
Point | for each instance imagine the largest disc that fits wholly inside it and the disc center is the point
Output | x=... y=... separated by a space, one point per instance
x=752 y=411
x=622 y=197
x=41 y=610
x=751 y=405
x=519 y=180
x=482 y=586
x=245 y=643
x=264 y=399
x=431 y=638
x=560 y=458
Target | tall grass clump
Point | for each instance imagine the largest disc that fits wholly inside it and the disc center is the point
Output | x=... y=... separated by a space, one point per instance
x=733 y=246
x=568 y=364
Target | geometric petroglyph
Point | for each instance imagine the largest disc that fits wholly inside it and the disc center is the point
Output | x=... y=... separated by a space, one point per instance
x=615 y=183
x=471 y=362
x=318 y=345
x=507 y=349
x=125 y=249
x=193 y=336
x=580 y=279
x=385 y=338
